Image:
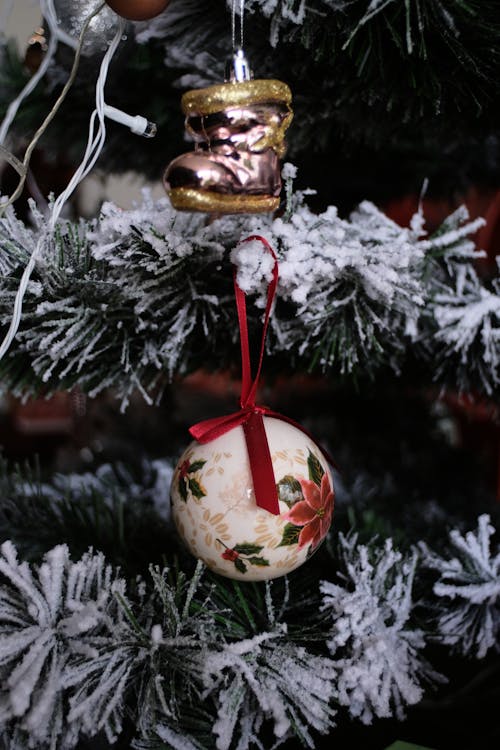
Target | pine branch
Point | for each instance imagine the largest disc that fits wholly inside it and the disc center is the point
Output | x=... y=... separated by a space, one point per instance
x=195 y=662
x=379 y=652
x=355 y=296
x=468 y=590
x=157 y=648
x=118 y=510
x=465 y=333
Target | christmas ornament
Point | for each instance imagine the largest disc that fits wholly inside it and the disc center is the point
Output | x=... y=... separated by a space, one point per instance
x=138 y=10
x=253 y=495
x=72 y=14
x=239 y=129
x=214 y=507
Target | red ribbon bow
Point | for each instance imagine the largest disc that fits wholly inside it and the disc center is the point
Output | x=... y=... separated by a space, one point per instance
x=250 y=416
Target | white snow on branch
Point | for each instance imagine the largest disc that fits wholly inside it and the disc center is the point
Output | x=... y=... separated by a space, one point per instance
x=267 y=678
x=468 y=590
x=376 y=650
x=47 y=616
x=16 y=240
x=255 y=265
x=467 y=318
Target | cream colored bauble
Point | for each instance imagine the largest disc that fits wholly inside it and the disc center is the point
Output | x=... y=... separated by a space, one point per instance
x=214 y=508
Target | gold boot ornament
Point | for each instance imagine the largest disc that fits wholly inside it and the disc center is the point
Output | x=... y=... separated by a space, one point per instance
x=239 y=132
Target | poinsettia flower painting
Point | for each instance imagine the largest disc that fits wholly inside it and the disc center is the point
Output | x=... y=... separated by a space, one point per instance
x=314 y=513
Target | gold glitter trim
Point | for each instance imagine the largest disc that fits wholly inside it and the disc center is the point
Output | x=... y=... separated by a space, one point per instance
x=189 y=199
x=224 y=95
x=275 y=137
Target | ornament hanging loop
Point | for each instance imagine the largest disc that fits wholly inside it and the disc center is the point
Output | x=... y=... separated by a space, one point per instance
x=241 y=24
x=249 y=385
x=237 y=67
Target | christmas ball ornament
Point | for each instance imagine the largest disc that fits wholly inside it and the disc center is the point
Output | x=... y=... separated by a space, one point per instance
x=215 y=511
x=138 y=10
x=239 y=129
x=72 y=14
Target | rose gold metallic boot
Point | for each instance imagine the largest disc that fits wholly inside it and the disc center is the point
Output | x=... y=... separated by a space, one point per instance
x=239 y=131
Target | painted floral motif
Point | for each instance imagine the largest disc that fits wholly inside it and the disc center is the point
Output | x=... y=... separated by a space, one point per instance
x=234 y=493
x=244 y=554
x=314 y=513
x=311 y=506
x=189 y=480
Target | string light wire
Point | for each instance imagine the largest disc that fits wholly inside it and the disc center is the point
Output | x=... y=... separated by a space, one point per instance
x=37 y=77
x=5 y=13
x=95 y=143
x=96 y=139
x=62 y=96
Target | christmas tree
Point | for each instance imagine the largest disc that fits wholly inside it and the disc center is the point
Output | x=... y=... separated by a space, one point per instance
x=368 y=257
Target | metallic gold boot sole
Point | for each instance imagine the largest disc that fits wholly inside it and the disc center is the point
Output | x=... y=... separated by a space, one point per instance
x=190 y=199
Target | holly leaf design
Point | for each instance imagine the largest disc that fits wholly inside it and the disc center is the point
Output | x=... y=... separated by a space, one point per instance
x=247 y=548
x=240 y=565
x=196 y=466
x=261 y=561
x=289 y=490
x=196 y=488
x=290 y=536
x=315 y=469
x=183 y=489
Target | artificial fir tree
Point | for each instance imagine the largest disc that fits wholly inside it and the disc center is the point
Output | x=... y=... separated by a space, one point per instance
x=384 y=340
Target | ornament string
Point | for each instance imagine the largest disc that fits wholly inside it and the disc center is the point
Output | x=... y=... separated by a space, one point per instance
x=249 y=386
x=251 y=416
x=233 y=23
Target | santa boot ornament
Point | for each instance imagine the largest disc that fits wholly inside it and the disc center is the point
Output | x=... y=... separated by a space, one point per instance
x=239 y=132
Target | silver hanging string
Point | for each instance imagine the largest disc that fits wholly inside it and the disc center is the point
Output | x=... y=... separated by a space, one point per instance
x=237 y=67
x=242 y=24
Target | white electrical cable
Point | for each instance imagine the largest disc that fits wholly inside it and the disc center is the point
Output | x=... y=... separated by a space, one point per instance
x=96 y=140
x=56 y=35
x=50 y=16
x=95 y=145
x=5 y=14
x=62 y=35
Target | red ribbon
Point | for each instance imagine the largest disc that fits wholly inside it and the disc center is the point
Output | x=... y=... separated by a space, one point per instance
x=250 y=416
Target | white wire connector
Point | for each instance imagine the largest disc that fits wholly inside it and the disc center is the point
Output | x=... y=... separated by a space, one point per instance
x=138 y=125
